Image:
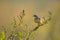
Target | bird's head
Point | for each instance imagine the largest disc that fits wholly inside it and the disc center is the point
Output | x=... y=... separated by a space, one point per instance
x=34 y=15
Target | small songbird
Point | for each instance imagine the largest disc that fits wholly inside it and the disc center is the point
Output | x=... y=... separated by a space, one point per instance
x=36 y=19
x=39 y=20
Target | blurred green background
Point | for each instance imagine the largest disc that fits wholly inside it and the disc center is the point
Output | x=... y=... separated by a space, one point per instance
x=12 y=8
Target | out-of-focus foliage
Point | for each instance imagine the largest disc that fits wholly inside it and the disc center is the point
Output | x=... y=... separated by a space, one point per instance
x=18 y=34
x=20 y=24
x=2 y=35
x=14 y=23
x=22 y=14
x=39 y=21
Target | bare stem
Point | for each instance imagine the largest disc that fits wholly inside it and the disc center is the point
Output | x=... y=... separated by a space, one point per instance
x=32 y=31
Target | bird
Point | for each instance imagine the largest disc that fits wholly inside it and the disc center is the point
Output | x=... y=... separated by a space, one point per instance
x=36 y=19
x=39 y=20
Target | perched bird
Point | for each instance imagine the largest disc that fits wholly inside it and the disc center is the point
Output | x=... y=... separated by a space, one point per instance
x=39 y=20
x=36 y=19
